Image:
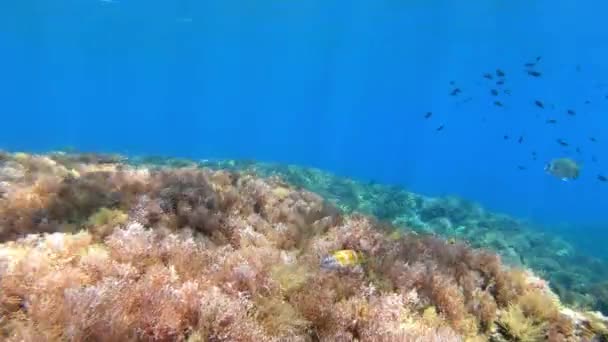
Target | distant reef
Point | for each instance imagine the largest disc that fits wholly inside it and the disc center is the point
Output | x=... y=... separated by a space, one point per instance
x=97 y=247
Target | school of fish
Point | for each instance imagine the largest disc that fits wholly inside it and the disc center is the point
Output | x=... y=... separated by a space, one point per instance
x=568 y=165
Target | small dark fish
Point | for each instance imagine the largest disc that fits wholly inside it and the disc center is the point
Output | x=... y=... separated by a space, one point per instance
x=539 y=104
x=494 y=92
x=468 y=99
x=571 y=112
x=488 y=76
x=521 y=167
x=500 y=73
x=530 y=65
x=500 y=82
x=602 y=178
x=506 y=137
x=455 y=92
x=508 y=91
x=562 y=142
x=538 y=59
x=587 y=102
x=428 y=115
x=498 y=104
x=534 y=73
x=439 y=128
x=592 y=139
x=551 y=121
x=521 y=139
x=452 y=82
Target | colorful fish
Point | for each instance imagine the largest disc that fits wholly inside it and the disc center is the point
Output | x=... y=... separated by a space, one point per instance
x=342 y=259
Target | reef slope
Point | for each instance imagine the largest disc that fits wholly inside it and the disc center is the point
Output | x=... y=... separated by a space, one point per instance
x=95 y=249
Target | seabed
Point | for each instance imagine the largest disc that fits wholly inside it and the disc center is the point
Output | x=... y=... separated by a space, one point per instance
x=97 y=247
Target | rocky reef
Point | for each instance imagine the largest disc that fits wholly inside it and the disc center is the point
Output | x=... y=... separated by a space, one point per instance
x=99 y=248
x=578 y=278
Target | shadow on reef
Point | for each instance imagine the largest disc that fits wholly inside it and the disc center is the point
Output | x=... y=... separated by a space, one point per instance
x=105 y=249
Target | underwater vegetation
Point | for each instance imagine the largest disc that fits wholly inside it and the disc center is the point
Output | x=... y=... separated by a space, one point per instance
x=579 y=279
x=94 y=250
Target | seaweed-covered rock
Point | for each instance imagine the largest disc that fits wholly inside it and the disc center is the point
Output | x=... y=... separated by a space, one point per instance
x=193 y=253
x=519 y=242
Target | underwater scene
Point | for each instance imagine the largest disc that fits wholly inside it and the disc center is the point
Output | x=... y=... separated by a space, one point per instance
x=271 y=170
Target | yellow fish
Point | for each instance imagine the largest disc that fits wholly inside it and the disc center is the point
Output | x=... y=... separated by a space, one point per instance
x=342 y=259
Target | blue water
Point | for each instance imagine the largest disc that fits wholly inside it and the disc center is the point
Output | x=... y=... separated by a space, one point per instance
x=340 y=85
